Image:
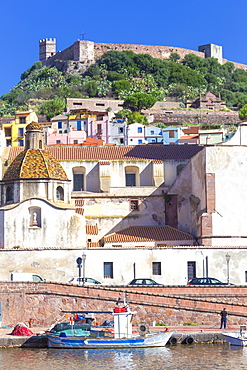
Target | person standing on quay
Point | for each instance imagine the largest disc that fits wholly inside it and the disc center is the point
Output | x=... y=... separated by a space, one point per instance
x=223 y=315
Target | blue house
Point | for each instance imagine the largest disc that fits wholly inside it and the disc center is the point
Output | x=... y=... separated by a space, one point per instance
x=171 y=135
x=153 y=134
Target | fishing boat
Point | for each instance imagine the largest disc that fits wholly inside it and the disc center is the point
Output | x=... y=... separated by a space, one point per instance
x=237 y=338
x=80 y=333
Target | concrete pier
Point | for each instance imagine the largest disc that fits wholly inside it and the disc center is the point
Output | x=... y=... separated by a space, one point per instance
x=200 y=334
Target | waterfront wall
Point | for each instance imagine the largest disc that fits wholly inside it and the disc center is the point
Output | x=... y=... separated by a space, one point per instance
x=171 y=305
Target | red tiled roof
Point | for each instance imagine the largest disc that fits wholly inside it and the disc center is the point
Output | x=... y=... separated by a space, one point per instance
x=119 y=152
x=147 y=233
x=191 y=130
x=92 y=229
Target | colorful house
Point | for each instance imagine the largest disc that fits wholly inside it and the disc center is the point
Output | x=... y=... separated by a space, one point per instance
x=14 y=131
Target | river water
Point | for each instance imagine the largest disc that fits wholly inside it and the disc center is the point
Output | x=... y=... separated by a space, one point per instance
x=180 y=357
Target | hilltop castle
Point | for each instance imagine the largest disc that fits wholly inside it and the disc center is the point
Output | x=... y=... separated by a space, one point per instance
x=77 y=57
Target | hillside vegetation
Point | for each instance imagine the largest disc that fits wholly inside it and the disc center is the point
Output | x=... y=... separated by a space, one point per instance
x=120 y=74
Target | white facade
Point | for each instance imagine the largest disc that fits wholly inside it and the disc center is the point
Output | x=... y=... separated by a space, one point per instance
x=60 y=265
x=136 y=134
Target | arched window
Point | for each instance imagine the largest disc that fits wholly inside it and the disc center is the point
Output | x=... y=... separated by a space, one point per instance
x=40 y=144
x=9 y=194
x=132 y=177
x=60 y=193
x=79 y=178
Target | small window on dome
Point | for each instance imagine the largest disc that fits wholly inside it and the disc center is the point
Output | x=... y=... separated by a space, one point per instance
x=9 y=194
x=60 y=193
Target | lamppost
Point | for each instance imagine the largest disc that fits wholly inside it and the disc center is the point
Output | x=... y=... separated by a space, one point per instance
x=83 y=260
x=228 y=271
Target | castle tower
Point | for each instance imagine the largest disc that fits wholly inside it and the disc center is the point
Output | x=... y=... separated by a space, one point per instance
x=212 y=51
x=47 y=48
x=84 y=51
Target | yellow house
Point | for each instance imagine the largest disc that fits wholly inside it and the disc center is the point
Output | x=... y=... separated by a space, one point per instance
x=14 y=132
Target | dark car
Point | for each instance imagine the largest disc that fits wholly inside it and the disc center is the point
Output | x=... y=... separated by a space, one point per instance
x=86 y=281
x=143 y=282
x=205 y=281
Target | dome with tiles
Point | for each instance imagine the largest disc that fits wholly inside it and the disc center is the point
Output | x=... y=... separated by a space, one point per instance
x=34 y=126
x=35 y=164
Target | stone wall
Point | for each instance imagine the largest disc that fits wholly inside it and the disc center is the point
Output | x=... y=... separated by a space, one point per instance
x=162 y=52
x=178 y=117
x=172 y=305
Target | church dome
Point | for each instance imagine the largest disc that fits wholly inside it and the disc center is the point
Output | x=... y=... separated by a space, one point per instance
x=34 y=126
x=35 y=164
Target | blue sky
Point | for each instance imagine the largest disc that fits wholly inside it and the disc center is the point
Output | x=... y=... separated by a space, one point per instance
x=180 y=23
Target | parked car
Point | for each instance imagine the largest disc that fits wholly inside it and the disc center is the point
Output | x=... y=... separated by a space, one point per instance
x=205 y=281
x=143 y=282
x=25 y=276
x=88 y=281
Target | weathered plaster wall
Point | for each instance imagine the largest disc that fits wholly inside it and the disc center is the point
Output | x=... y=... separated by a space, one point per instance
x=57 y=229
x=229 y=164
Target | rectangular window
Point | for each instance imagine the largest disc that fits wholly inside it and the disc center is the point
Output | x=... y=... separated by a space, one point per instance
x=121 y=141
x=108 y=270
x=58 y=141
x=78 y=182
x=152 y=132
x=246 y=276
x=139 y=130
x=99 y=129
x=139 y=142
x=134 y=205
x=171 y=134
x=120 y=130
x=191 y=269
x=130 y=179
x=21 y=142
x=22 y=120
x=20 y=132
x=60 y=125
x=75 y=141
x=100 y=104
x=156 y=268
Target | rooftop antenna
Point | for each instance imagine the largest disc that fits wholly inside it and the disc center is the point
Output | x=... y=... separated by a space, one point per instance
x=82 y=35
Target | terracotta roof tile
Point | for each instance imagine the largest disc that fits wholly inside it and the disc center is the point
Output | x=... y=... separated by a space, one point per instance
x=92 y=229
x=147 y=233
x=35 y=164
x=124 y=152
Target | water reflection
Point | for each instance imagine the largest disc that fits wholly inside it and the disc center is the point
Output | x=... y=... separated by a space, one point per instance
x=195 y=357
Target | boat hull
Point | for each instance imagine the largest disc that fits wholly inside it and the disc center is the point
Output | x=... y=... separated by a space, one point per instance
x=152 y=340
x=236 y=339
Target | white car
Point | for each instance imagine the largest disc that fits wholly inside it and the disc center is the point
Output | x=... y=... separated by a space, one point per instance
x=88 y=281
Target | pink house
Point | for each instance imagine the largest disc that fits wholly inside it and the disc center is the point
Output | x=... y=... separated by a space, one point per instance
x=71 y=137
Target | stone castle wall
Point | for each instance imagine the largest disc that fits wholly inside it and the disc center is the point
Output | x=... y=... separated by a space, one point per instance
x=162 y=52
x=178 y=117
x=172 y=305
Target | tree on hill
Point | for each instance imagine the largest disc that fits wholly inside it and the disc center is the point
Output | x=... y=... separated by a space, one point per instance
x=174 y=57
x=243 y=112
x=138 y=101
x=52 y=108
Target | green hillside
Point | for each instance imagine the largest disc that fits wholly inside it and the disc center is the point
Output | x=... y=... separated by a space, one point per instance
x=120 y=74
